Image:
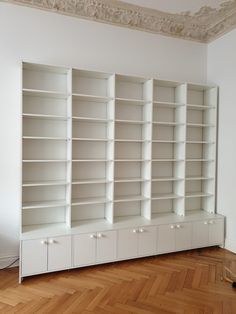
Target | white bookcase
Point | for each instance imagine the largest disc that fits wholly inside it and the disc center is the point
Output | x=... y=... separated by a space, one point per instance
x=107 y=152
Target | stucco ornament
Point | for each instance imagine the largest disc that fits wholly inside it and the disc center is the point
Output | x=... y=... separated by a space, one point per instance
x=203 y=26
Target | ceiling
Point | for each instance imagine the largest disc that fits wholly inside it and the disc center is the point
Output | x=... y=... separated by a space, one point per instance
x=176 y=6
x=199 y=20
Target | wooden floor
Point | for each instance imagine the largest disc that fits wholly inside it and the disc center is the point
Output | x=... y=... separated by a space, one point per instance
x=188 y=282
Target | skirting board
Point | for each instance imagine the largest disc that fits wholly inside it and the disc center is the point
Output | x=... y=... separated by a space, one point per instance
x=7 y=260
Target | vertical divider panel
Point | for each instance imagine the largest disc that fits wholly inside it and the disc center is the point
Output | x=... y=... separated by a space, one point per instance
x=109 y=212
x=69 y=149
x=181 y=131
x=146 y=210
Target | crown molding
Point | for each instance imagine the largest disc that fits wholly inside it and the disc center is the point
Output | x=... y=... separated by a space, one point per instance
x=203 y=26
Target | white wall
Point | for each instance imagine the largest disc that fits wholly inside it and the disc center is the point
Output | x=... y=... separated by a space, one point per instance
x=43 y=37
x=222 y=71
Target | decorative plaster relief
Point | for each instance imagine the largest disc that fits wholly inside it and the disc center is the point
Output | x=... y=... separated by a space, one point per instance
x=203 y=26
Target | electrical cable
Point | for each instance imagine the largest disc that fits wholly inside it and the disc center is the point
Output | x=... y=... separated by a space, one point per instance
x=10 y=264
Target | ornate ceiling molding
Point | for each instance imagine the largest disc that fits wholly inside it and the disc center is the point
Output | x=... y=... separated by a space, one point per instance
x=203 y=26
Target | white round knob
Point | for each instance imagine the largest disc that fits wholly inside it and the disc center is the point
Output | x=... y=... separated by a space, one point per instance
x=211 y=222
x=172 y=227
x=178 y=226
x=141 y=230
x=43 y=242
x=135 y=230
x=92 y=236
x=205 y=223
x=51 y=241
x=99 y=235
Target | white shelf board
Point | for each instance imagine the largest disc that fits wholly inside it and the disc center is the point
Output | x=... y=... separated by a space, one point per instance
x=167 y=104
x=132 y=160
x=92 y=160
x=90 y=181
x=199 y=125
x=129 y=198
x=90 y=139
x=166 y=160
x=167 y=141
x=44 y=183
x=131 y=140
x=51 y=138
x=158 y=196
x=197 y=194
x=44 y=204
x=91 y=98
x=44 y=93
x=199 y=107
x=120 y=121
x=199 y=160
x=198 y=178
x=88 y=119
x=124 y=180
x=132 y=101
x=44 y=160
x=165 y=123
x=44 y=116
x=199 y=142
x=89 y=200
x=164 y=179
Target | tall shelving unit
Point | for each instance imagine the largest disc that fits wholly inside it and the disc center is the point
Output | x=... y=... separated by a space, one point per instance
x=107 y=147
x=114 y=167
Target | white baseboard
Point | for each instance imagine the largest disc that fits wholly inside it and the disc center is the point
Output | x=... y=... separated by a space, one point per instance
x=7 y=260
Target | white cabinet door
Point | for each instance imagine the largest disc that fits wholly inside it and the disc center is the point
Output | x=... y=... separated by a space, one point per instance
x=147 y=241
x=200 y=234
x=216 y=231
x=183 y=236
x=84 y=249
x=106 y=246
x=59 y=253
x=166 y=238
x=127 y=243
x=34 y=256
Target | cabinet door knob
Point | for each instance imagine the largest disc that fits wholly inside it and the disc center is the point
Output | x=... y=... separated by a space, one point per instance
x=92 y=236
x=135 y=230
x=178 y=226
x=141 y=230
x=99 y=235
x=211 y=222
x=172 y=227
x=44 y=242
x=205 y=223
x=52 y=241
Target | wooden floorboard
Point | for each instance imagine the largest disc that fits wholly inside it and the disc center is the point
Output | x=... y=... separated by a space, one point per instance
x=183 y=283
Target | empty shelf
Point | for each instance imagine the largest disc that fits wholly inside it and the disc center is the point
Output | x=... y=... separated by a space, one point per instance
x=165 y=196
x=88 y=139
x=131 y=121
x=44 y=204
x=91 y=98
x=167 y=141
x=92 y=160
x=199 y=142
x=44 y=93
x=44 y=183
x=199 y=160
x=45 y=138
x=132 y=101
x=167 y=123
x=123 y=180
x=199 y=107
x=163 y=179
x=87 y=119
x=44 y=160
x=44 y=116
x=198 y=178
x=131 y=140
x=167 y=104
x=89 y=200
x=129 y=198
x=197 y=194
x=131 y=160
x=166 y=159
x=199 y=125
x=91 y=181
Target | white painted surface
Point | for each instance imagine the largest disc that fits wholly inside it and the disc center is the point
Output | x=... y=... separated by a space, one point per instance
x=221 y=70
x=127 y=243
x=106 y=246
x=84 y=249
x=38 y=36
x=147 y=241
x=59 y=253
x=200 y=233
x=35 y=256
x=166 y=238
x=183 y=236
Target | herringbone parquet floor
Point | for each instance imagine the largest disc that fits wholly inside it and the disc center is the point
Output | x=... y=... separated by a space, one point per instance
x=184 y=283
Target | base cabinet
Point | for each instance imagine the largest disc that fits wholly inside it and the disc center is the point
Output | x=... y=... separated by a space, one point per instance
x=64 y=252
x=42 y=255
x=137 y=242
x=208 y=232
x=94 y=248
